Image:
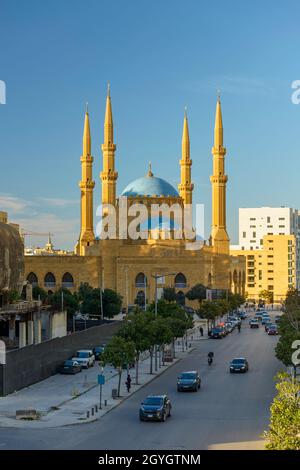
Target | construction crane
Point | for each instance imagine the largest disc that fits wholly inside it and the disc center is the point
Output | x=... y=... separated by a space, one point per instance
x=35 y=234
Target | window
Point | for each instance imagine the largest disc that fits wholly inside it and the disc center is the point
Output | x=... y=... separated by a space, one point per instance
x=254 y=235
x=281 y=218
x=270 y=287
x=270 y=271
x=281 y=226
x=252 y=226
x=261 y=241
x=180 y=281
x=269 y=226
x=244 y=234
x=270 y=256
x=260 y=275
x=290 y=242
x=268 y=220
x=252 y=218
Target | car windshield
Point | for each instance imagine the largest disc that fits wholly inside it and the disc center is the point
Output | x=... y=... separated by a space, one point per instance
x=69 y=363
x=187 y=375
x=238 y=361
x=154 y=401
x=82 y=354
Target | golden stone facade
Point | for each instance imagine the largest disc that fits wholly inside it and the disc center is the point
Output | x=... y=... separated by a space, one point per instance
x=129 y=265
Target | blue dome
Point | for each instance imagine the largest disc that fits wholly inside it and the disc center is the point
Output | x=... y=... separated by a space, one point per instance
x=149 y=186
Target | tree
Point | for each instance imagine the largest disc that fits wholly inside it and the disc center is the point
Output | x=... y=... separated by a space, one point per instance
x=118 y=352
x=266 y=295
x=235 y=300
x=91 y=301
x=112 y=303
x=197 y=292
x=209 y=310
x=39 y=292
x=289 y=327
x=163 y=334
x=284 y=428
x=134 y=330
x=13 y=296
x=68 y=301
x=169 y=294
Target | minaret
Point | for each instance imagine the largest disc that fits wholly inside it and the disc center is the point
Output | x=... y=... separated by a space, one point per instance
x=108 y=175
x=86 y=185
x=220 y=240
x=186 y=186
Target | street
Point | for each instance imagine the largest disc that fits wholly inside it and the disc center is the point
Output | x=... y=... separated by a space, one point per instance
x=229 y=412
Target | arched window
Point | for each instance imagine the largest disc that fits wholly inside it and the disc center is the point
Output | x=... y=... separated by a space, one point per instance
x=140 y=280
x=49 y=280
x=180 y=298
x=67 y=281
x=32 y=279
x=180 y=281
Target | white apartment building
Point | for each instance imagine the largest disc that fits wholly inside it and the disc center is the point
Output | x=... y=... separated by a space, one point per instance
x=257 y=222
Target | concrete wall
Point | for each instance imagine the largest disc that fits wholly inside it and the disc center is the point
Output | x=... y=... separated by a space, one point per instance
x=37 y=362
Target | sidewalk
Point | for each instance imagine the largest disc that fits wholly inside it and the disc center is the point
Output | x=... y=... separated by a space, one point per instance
x=65 y=400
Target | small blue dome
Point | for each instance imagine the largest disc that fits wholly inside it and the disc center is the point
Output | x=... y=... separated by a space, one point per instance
x=149 y=186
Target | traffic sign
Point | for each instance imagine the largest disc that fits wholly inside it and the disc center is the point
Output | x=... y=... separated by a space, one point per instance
x=101 y=379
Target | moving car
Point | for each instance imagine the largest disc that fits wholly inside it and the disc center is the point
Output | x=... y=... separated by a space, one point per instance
x=273 y=330
x=70 y=367
x=265 y=319
x=85 y=357
x=258 y=316
x=239 y=364
x=277 y=318
x=268 y=324
x=155 y=408
x=98 y=350
x=254 y=323
x=188 y=381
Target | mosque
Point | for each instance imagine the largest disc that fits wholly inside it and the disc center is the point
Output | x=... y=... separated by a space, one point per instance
x=141 y=266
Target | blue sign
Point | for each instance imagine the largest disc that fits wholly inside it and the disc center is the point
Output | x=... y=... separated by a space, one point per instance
x=101 y=379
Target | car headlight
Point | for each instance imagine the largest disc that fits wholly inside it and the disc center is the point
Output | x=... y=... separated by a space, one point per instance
x=231 y=367
x=243 y=367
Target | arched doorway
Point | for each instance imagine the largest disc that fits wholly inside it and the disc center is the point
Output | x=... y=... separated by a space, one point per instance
x=180 y=298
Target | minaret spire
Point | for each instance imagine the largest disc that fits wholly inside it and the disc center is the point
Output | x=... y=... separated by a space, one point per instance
x=186 y=186
x=108 y=175
x=86 y=185
x=219 y=236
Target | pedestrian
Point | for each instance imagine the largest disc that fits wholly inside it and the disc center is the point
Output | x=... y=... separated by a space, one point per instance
x=201 y=330
x=128 y=383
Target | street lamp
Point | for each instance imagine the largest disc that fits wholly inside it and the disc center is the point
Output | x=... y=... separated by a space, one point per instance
x=156 y=277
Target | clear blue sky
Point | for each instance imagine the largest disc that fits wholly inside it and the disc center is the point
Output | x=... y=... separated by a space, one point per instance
x=159 y=57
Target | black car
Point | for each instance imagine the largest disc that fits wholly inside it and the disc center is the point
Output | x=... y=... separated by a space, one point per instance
x=188 y=381
x=239 y=364
x=155 y=408
x=254 y=323
x=70 y=367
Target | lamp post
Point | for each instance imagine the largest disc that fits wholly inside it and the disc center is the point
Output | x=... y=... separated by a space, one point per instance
x=101 y=296
x=156 y=277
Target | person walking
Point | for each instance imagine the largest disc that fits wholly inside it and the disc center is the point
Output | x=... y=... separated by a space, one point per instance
x=201 y=330
x=128 y=383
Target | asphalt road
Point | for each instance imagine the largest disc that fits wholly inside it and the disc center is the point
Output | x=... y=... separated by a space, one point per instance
x=230 y=410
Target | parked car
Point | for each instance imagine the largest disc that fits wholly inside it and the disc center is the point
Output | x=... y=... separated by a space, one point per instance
x=155 y=408
x=98 y=351
x=277 y=318
x=70 y=367
x=273 y=330
x=254 y=323
x=242 y=315
x=188 y=381
x=217 y=333
x=239 y=364
x=85 y=357
x=229 y=327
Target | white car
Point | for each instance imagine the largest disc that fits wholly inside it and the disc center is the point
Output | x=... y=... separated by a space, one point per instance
x=85 y=357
